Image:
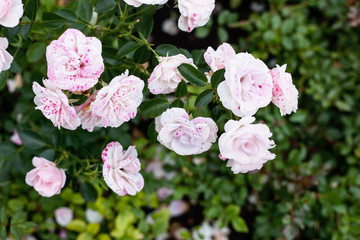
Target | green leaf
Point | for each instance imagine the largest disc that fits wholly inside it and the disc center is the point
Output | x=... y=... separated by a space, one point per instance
x=18 y=217
x=25 y=30
x=161 y=221
x=27 y=225
x=3 y=77
x=88 y=192
x=104 y=6
x=239 y=225
x=145 y=25
x=167 y=50
x=177 y=104
x=35 y=52
x=193 y=75
x=142 y=55
x=181 y=90
x=127 y=48
x=32 y=139
x=217 y=78
x=204 y=98
x=151 y=132
x=154 y=107
x=2 y=232
x=67 y=14
x=16 y=232
x=3 y=218
x=52 y=20
x=85 y=11
x=30 y=9
x=76 y=225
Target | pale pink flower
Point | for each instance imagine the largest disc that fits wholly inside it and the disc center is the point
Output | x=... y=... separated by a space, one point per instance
x=93 y=216
x=121 y=169
x=5 y=57
x=10 y=12
x=86 y=116
x=166 y=77
x=246 y=145
x=247 y=86
x=194 y=13
x=74 y=61
x=184 y=136
x=284 y=93
x=15 y=138
x=64 y=216
x=211 y=231
x=118 y=102
x=138 y=3
x=46 y=178
x=164 y=193
x=219 y=58
x=54 y=104
x=178 y=208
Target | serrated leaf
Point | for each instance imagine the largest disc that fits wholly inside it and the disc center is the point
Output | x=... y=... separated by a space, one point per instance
x=67 y=14
x=177 y=103
x=193 y=75
x=16 y=232
x=104 y=6
x=217 y=78
x=204 y=98
x=154 y=107
x=181 y=90
x=85 y=11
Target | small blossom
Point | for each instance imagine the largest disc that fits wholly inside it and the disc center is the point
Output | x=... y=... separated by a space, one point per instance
x=86 y=116
x=169 y=27
x=93 y=216
x=219 y=58
x=184 y=136
x=166 y=77
x=15 y=138
x=246 y=145
x=164 y=193
x=284 y=93
x=10 y=12
x=194 y=13
x=247 y=86
x=178 y=208
x=118 y=102
x=46 y=178
x=138 y=3
x=121 y=169
x=54 y=104
x=74 y=61
x=5 y=57
x=210 y=231
x=63 y=216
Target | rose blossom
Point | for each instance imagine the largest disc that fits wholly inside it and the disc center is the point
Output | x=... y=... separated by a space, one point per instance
x=46 y=178
x=166 y=77
x=86 y=116
x=218 y=59
x=93 y=216
x=285 y=94
x=247 y=86
x=121 y=169
x=63 y=216
x=117 y=103
x=164 y=193
x=194 y=13
x=184 y=136
x=5 y=57
x=245 y=145
x=138 y=3
x=178 y=208
x=10 y=12
x=74 y=61
x=54 y=104
x=15 y=138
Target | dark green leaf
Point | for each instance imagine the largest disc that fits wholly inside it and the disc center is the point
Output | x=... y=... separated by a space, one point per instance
x=127 y=48
x=52 y=20
x=198 y=56
x=32 y=139
x=25 y=30
x=3 y=218
x=85 y=11
x=151 y=132
x=2 y=232
x=177 y=103
x=7 y=149
x=3 y=77
x=217 y=78
x=27 y=225
x=104 y=6
x=35 y=52
x=88 y=192
x=167 y=50
x=193 y=75
x=142 y=55
x=204 y=98
x=15 y=67
x=181 y=90
x=154 y=107
x=16 y=232
x=145 y=25
x=67 y=14
x=30 y=9
x=18 y=217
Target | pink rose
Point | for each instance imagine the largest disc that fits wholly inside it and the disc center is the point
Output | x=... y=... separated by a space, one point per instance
x=63 y=216
x=87 y=118
x=194 y=13
x=54 y=104
x=219 y=58
x=245 y=145
x=74 y=61
x=121 y=169
x=184 y=136
x=166 y=77
x=15 y=138
x=46 y=178
x=5 y=57
x=284 y=93
x=247 y=86
x=10 y=12
x=138 y=3
x=118 y=102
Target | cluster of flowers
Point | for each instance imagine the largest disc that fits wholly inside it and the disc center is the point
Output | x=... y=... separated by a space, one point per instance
x=193 y=13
